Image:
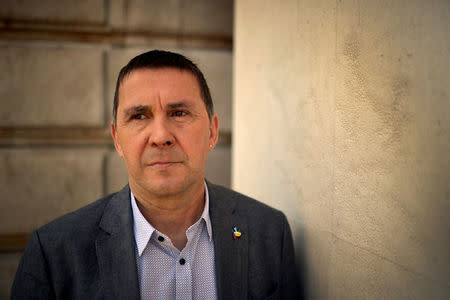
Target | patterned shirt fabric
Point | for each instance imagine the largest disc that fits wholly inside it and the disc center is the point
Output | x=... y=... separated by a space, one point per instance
x=167 y=273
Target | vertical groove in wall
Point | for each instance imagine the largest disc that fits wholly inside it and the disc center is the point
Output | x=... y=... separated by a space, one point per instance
x=328 y=288
x=125 y=12
x=106 y=9
x=105 y=174
x=180 y=23
x=106 y=117
x=106 y=113
x=334 y=112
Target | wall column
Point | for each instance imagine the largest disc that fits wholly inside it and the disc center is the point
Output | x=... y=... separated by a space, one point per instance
x=342 y=120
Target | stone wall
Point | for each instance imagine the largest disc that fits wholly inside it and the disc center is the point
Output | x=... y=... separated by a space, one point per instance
x=342 y=120
x=59 y=62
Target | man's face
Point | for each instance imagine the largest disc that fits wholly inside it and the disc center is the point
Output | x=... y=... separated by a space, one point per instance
x=163 y=131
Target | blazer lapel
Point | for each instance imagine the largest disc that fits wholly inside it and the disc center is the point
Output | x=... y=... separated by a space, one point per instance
x=231 y=254
x=115 y=247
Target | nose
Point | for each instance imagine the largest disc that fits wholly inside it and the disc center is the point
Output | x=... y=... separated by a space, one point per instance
x=160 y=134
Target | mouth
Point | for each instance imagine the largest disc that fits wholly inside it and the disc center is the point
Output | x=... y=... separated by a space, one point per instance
x=162 y=165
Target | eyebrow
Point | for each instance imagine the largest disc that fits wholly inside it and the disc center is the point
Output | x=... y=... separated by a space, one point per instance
x=137 y=109
x=144 y=108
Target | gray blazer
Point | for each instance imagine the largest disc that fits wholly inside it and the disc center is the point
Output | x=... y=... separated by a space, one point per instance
x=90 y=253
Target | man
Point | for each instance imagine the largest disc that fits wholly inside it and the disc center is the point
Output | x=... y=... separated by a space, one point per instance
x=169 y=234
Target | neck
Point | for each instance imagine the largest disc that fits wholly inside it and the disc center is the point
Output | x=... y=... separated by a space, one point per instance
x=172 y=215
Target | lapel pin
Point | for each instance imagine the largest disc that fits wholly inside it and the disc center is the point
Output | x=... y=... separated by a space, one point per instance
x=236 y=233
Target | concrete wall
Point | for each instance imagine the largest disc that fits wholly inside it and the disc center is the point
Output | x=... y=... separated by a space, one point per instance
x=59 y=61
x=342 y=120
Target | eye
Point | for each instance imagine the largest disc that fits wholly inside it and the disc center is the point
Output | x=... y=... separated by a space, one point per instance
x=138 y=117
x=179 y=113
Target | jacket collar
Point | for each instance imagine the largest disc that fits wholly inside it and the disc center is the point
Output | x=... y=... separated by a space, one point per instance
x=231 y=255
x=115 y=248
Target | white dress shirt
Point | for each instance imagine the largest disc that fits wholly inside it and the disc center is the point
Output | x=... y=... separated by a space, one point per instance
x=165 y=272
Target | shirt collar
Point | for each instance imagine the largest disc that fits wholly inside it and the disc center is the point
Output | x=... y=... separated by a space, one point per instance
x=205 y=215
x=143 y=230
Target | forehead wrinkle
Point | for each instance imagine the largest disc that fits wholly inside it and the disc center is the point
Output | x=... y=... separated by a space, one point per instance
x=178 y=104
x=159 y=99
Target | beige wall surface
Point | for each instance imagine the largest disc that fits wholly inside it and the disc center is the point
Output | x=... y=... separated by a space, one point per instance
x=342 y=120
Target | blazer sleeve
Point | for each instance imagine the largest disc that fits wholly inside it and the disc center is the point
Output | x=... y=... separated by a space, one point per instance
x=291 y=286
x=32 y=279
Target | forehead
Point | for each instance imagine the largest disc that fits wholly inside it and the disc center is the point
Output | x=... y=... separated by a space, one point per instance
x=163 y=83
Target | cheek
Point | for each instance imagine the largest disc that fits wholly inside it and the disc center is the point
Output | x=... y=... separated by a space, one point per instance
x=197 y=144
x=133 y=148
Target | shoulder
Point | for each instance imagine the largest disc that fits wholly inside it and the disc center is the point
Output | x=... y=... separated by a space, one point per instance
x=81 y=224
x=245 y=206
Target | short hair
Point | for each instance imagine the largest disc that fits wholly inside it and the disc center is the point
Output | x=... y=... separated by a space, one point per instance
x=158 y=59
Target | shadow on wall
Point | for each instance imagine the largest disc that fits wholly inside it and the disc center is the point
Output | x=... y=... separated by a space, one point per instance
x=301 y=260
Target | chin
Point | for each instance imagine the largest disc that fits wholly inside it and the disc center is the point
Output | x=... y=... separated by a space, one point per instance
x=167 y=187
x=167 y=184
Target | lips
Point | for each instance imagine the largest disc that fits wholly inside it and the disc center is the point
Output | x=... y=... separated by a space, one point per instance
x=159 y=160
x=161 y=165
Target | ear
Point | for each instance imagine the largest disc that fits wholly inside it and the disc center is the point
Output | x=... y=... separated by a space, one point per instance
x=213 y=131
x=116 y=140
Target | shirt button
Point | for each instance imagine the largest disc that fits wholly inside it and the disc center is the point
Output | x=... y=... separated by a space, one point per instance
x=160 y=238
x=182 y=261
